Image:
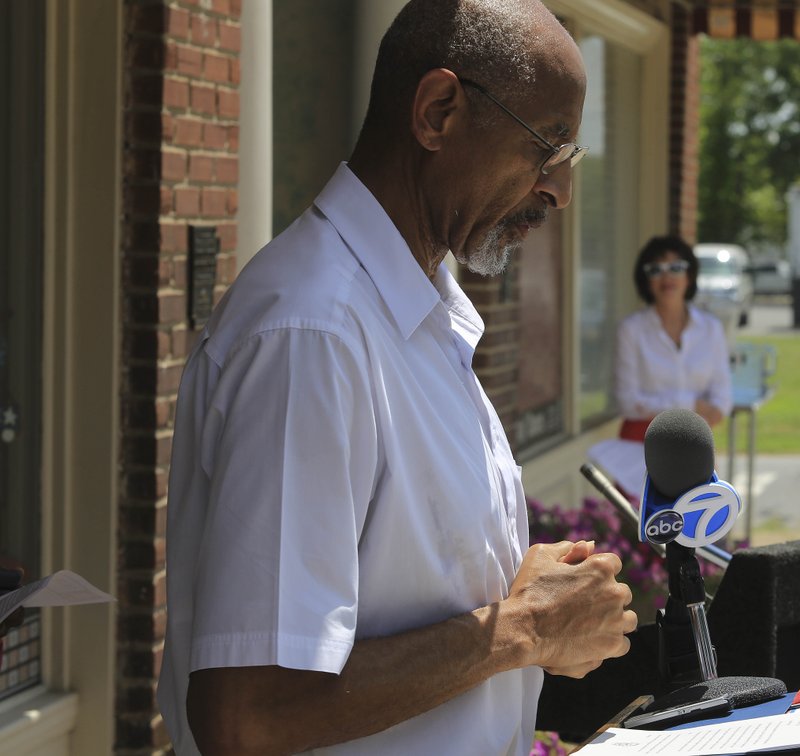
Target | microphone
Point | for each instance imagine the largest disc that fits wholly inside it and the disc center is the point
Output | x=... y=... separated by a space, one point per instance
x=684 y=506
x=683 y=499
x=713 y=554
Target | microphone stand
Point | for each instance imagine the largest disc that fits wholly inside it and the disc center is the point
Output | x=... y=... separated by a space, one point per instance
x=684 y=644
x=685 y=652
x=683 y=636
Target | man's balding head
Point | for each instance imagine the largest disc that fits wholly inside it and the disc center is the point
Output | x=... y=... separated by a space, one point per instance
x=505 y=44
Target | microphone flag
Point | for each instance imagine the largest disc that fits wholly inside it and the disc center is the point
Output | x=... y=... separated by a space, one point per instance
x=701 y=516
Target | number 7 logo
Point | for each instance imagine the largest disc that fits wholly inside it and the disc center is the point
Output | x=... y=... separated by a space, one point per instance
x=708 y=512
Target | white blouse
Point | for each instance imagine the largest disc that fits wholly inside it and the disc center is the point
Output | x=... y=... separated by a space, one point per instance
x=653 y=374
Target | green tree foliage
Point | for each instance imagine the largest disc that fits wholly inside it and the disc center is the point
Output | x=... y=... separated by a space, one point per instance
x=749 y=139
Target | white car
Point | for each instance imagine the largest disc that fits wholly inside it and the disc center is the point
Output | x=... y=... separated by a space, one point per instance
x=772 y=277
x=724 y=283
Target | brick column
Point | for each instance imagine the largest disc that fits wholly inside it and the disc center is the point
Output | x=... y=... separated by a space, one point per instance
x=684 y=126
x=180 y=166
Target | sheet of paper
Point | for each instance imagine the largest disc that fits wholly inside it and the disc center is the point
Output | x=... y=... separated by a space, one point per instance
x=63 y=588
x=622 y=461
x=780 y=732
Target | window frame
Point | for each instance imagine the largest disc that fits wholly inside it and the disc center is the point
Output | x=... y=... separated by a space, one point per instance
x=551 y=468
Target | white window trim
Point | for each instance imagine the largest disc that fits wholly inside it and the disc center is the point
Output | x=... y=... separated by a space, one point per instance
x=255 y=143
x=617 y=21
x=37 y=722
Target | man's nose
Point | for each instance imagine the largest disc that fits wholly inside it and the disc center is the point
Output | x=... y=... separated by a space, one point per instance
x=556 y=187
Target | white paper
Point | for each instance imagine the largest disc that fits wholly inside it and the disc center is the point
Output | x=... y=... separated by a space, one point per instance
x=622 y=461
x=778 y=732
x=62 y=588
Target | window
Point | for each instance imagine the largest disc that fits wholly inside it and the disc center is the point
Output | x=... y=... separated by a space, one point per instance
x=312 y=94
x=540 y=394
x=21 y=196
x=609 y=181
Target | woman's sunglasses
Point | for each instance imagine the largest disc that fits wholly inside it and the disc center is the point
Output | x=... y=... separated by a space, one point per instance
x=655 y=269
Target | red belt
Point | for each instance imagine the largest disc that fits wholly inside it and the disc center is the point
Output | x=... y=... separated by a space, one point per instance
x=633 y=430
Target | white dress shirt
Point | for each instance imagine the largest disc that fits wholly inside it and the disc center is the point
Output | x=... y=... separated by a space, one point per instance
x=654 y=374
x=338 y=474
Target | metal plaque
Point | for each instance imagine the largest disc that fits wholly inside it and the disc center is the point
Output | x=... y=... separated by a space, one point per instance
x=202 y=272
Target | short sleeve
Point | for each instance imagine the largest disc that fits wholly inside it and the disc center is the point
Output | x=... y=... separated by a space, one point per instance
x=289 y=447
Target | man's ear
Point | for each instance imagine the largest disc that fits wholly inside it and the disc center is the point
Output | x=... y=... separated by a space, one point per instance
x=439 y=95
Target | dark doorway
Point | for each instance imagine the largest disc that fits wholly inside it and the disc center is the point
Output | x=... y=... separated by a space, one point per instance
x=22 y=43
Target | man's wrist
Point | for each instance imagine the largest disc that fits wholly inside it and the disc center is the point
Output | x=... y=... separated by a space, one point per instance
x=511 y=642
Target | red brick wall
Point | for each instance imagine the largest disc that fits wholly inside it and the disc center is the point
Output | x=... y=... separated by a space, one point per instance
x=180 y=165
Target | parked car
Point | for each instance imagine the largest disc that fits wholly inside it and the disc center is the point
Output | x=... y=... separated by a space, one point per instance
x=724 y=284
x=772 y=277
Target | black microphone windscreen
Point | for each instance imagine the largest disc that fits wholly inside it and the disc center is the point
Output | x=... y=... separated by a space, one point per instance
x=678 y=452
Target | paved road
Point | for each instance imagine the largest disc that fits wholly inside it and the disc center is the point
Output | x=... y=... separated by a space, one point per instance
x=776 y=492
x=770 y=316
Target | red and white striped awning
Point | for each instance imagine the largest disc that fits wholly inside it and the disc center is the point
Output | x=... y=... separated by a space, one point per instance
x=756 y=19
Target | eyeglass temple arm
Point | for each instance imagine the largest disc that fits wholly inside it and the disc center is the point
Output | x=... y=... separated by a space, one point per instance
x=502 y=107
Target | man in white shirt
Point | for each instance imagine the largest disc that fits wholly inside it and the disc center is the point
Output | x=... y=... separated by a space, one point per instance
x=348 y=570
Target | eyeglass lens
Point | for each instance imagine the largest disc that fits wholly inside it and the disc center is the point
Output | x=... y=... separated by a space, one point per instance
x=571 y=152
x=662 y=268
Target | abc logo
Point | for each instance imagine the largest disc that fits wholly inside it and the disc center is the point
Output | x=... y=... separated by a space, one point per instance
x=664 y=526
x=708 y=512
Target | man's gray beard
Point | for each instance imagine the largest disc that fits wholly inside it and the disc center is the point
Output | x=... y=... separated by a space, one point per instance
x=491 y=257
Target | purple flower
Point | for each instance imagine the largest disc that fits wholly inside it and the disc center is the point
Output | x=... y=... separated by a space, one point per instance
x=548 y=744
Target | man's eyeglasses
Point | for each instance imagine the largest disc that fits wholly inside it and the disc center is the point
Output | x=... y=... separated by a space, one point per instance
x=569 y=152
x=675 y=268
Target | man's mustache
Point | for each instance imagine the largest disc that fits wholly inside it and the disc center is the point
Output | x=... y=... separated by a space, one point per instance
x=527 y=217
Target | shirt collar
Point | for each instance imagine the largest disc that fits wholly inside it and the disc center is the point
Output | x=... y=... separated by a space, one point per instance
x=372 y=237
x=691 y=321
x=466 y=319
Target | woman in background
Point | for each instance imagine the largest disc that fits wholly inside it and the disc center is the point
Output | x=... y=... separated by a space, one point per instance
x=670 y=354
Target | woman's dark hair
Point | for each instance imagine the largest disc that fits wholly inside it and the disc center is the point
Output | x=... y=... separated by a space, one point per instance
x=656 y=248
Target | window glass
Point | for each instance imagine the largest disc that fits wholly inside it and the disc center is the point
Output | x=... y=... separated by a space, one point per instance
x=607 y=210
x=312 y=100
x=540 y=394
